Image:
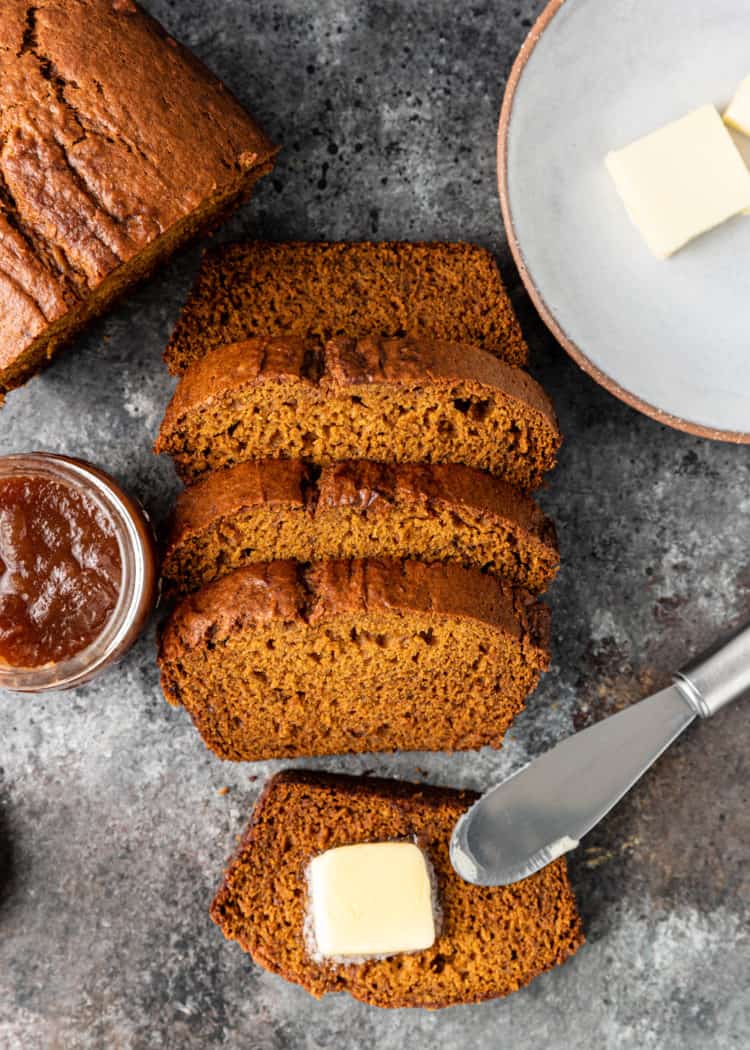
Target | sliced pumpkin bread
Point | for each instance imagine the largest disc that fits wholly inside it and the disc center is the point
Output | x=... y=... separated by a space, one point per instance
x=446 y=291
x=491 y=940
x=389 y=400
x=280 y=509
x=279 y=659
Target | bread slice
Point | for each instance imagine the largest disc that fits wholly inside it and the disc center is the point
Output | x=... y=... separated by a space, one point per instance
x=389 y=400
x=118 y=145
x=278 y=659
x=444 y=291
x=491 y=942
x=284 y=509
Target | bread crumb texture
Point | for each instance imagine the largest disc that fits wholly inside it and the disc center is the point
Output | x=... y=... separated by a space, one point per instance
x=321 y=290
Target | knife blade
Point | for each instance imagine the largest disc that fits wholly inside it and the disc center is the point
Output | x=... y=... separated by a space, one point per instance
x=544 y=809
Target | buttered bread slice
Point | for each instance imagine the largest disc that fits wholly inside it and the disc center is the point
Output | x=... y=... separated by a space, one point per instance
x=396 y=400
x=490 y=941
x=279 y=659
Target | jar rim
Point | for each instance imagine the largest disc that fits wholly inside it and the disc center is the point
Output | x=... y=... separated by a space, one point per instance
x=137 y=584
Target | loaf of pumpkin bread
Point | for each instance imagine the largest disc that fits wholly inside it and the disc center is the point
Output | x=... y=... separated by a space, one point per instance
x=491 y=941
x=117 y=146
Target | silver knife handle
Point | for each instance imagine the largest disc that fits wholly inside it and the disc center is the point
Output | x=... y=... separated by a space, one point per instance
x=719 y=676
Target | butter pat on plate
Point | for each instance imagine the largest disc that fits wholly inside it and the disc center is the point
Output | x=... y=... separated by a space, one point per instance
x=737 y=113
x=371 y=899
x=682 y=180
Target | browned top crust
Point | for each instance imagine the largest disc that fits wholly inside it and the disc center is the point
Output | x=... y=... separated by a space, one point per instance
x=373 y=359
x=426 y=796
x=222 y=493
x=360 y=484
x=341 y=363
x=230 y=368
x=101 y=118
x=363 y=484
x=320 y=290
x=287 y=591
x=257 y=593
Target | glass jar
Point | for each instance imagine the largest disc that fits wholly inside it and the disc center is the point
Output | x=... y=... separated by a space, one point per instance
x=138 y=581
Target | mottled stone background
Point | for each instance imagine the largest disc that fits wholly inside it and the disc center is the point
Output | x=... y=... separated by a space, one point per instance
x=112 y=830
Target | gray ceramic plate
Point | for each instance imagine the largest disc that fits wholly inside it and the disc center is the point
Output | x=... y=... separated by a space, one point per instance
x=671 y=338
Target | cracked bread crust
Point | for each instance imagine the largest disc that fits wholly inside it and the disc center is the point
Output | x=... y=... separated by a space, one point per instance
x=492 y=940
x=101 y=117
x=312 y=594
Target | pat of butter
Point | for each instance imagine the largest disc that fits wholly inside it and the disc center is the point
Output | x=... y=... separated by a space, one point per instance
x=737 y=114
x=681 y=180
x=371 y=899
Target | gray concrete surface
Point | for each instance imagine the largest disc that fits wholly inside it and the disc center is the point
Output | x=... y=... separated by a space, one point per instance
x=112 y=831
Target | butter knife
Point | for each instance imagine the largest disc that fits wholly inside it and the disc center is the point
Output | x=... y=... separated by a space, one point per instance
x=545 y=809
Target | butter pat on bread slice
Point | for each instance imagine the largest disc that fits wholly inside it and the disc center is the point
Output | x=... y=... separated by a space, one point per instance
x=371 y=899
x=682 y=180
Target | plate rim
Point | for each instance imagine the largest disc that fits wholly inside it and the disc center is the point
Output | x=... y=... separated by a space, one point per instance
x=569 y=345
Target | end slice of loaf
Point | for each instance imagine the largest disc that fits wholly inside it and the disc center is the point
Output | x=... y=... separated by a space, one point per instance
x=278 y=660
x=283 y=509
x=445 y=291
x=117 y=147
x=491 y=942
x=388 y=400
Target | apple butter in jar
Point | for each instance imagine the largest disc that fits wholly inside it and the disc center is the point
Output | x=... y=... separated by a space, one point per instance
x=77 y=571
